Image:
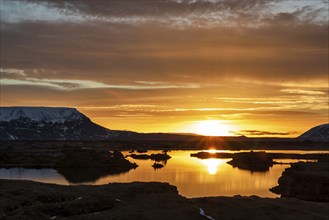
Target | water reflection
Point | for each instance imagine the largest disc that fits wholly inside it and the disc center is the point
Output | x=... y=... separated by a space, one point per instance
x=192 y=176
x=213 y=165
x=160 y=159
x=157 y=165
x=39 y=175
x=87 y=175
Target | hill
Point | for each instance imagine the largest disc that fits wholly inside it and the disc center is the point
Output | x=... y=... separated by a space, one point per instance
x=319 y=133
x=47 y=123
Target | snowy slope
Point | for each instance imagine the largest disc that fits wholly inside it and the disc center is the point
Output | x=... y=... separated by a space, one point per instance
x=319 y=133
x=45 y=114
x=46 y=123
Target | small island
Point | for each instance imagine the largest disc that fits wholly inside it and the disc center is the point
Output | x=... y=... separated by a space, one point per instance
x=258 y=161
x=156 y=157
x=253 y=161
x=77 y=165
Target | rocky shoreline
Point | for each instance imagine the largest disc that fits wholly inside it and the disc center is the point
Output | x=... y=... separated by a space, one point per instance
x=32 y=200
x=152 y=200
x=306 y=181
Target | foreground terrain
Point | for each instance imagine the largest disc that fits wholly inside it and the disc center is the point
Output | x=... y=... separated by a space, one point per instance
x=31 y=200
x=307 y=181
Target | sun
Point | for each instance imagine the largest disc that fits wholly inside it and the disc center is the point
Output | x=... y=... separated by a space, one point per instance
x=211 y=128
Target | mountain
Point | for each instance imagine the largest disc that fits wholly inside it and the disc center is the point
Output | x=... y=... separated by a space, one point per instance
x=46 y=123
x=319 y=133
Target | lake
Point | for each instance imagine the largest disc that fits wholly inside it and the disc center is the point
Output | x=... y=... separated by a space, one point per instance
x=193 y=177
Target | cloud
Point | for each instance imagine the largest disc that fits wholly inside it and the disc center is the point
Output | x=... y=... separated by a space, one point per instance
x=11 y=73
x=20 y=11
x=66 y=84
x=73 y=84
x=177 y=14
x=262 y=133
x=304 y=92
x=55 y=83
x=160 y=54
x=162 y=110
x=210 y=42
x=227 y=59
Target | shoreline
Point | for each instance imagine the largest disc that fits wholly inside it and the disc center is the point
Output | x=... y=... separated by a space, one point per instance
x=70 y=161
x=197 y=144
x=141 y=200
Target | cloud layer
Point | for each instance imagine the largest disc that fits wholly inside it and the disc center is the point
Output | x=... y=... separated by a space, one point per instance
x=223 y=59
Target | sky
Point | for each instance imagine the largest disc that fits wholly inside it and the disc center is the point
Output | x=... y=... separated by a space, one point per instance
x=226 y=67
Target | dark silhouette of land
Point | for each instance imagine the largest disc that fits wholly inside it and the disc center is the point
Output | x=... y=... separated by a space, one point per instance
x=307 y=181
x=76 y=165
x=87 y=161
x=179 y=143
x=31 y=200
x=258 y=161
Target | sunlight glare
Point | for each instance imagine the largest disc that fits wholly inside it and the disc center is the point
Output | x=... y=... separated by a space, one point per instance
x=211 y=128
x=212 y=165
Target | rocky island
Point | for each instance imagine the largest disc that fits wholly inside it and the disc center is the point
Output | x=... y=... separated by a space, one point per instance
x=75 y=164
x=259 y=161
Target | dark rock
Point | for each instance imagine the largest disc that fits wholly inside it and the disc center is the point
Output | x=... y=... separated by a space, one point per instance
x=140 y=156
x=138 y=201
x=93 y=158
x=90 y=165
x=157 y=165
x=160 y=157
x=253 y=161
x=155 y=157
x=306 y=181
x=206 y=155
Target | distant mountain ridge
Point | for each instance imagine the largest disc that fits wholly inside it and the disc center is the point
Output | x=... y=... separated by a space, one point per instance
x=50 y=123
x=61 y=123
x=319 y=133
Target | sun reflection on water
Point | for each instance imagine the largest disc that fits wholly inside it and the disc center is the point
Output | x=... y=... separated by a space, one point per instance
x=193 y=177
x=213 y=165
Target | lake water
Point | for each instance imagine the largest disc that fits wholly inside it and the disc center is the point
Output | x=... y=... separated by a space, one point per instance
x=193 y=177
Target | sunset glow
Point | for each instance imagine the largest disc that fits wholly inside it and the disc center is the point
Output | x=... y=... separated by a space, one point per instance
x=164 y=109
x=211 y=128
x=214 y=68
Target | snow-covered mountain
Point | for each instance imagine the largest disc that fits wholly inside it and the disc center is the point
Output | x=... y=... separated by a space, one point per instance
x=319 y=133
x=45 y=114
x=46 y=123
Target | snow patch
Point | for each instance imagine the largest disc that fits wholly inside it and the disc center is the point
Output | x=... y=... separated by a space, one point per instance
x=12 y=137
x=203 y=214
x=41 y=114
